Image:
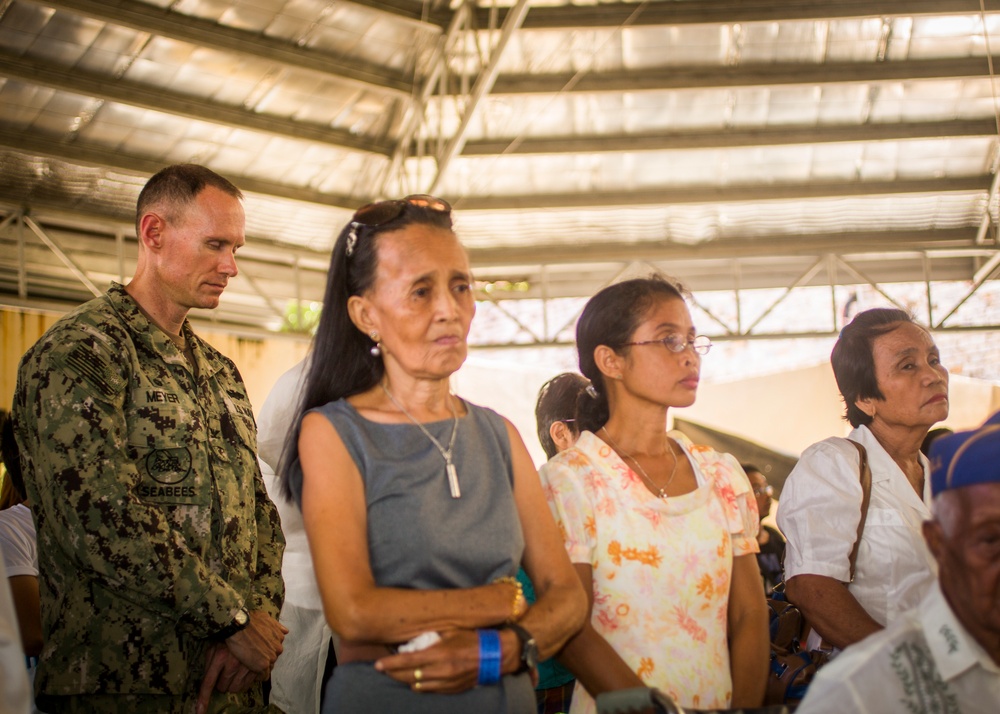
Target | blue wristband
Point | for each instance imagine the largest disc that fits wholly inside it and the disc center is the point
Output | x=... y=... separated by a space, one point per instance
x=489 y=656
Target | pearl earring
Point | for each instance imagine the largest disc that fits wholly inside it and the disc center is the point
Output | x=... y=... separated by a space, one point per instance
x=376 y=349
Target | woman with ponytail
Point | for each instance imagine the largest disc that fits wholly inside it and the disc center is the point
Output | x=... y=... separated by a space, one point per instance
x=662 y=533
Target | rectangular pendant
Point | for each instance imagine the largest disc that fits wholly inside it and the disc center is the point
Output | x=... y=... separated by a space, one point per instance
x=456 y=492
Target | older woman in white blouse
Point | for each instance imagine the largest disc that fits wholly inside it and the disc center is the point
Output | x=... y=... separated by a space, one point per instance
x=895 y=388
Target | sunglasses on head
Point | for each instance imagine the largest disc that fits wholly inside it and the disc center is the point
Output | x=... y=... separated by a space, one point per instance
x=379 y=213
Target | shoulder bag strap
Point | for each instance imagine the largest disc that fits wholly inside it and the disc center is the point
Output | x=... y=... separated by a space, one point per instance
x=866 y=497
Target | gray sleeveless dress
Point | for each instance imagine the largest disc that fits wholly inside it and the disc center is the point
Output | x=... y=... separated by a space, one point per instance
x=421 y=537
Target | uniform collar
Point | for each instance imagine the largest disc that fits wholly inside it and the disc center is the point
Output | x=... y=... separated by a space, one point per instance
x=955 y=651
x=147 y=333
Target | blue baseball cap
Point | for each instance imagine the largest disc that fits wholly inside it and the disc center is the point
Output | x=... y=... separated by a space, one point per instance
x=966 y=458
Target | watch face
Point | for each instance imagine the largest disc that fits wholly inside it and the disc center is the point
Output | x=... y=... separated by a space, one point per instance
x=529 y=649
x=242 y=617
x=530 y=653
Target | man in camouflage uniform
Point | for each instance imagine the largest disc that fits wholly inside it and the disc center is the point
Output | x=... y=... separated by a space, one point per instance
x=159 y=550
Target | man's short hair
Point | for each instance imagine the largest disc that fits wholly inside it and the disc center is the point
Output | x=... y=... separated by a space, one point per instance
x=557 y=402
x=176 y=186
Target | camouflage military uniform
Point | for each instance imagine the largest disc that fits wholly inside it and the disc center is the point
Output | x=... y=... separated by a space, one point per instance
x=154 y=526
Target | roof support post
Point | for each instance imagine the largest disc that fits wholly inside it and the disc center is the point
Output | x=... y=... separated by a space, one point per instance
x=737 y=275
x=831 y=269
x=297 y=273
x=926 y=261
x=545 y=303
x=22 y=259
x=984 y=225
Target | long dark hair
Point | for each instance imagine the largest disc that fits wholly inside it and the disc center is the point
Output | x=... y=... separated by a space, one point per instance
x=341 y=363
x=610 y=318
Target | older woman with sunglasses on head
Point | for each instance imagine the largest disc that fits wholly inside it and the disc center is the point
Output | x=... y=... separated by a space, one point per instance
x=662 y=533
x=418 y=505
x=895 y=388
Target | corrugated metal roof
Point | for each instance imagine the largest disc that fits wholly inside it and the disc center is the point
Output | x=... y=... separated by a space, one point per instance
x=732 y=143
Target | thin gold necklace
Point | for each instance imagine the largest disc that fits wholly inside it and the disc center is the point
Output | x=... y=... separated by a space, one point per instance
x=449 y=467
x=659 y=491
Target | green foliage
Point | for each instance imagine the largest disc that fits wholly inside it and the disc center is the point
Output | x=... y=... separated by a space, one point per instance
x=303 y=321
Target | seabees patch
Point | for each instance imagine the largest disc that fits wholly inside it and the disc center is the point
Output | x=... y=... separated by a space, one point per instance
x=167 y=476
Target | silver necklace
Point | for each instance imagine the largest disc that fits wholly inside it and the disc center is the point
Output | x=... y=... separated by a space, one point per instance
x=449 y=467
x=661 y=492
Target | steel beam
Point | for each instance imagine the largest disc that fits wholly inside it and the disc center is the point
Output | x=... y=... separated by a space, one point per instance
x=77 y=152
x=414 y=12
x=982 y=276
x=135 y=94
x=482 y=87
x=802 y=279
x=438 y=66
x=677 y=77
x=704 y=12
x=733 y=193
x=61 y=254
x=725 y=12
x=953 y=241
x=864 y=242
x=138 y=95
x=205 y=33
x=268 y=301
x=729 y=138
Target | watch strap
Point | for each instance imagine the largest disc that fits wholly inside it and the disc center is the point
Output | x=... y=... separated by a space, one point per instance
x=529 y=650
x=238 y=623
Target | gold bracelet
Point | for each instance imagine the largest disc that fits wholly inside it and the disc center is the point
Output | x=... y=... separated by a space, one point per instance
x=520 y=604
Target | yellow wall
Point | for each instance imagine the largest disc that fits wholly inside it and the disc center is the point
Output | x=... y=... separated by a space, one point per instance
x=18 y=331
x=261 y=361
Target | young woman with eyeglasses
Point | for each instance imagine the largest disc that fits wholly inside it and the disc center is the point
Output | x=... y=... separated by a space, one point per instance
x=662 y=533
x=418 y=505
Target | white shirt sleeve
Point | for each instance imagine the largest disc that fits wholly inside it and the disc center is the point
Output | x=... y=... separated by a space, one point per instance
x=17 y=541
x=15 y=692
x=277 y=415
x=563 y=480
x=820 y=509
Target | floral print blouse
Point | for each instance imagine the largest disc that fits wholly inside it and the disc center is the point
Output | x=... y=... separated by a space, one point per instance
x=661 y=567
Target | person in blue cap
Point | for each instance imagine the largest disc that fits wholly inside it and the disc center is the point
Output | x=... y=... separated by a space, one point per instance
x=943 y=656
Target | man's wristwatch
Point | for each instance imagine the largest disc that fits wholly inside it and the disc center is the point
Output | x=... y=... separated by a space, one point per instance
x=529 y=649
x=240 y=621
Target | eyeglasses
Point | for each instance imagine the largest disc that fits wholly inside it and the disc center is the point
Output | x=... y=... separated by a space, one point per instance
x=767 y=490
x=677 y=344
x=375 y=214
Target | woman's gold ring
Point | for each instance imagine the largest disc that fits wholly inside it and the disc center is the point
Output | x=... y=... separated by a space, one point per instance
x=416 y=685
x=418 y=674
